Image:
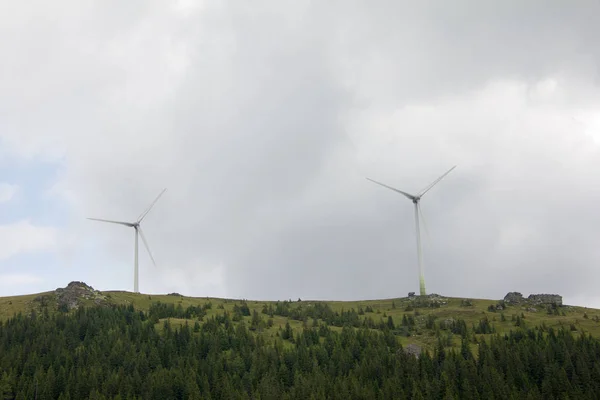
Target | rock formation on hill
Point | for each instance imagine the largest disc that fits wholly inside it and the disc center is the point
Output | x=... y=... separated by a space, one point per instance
x=514 y=298
x=72 y=296
x=517 y=298
x=413 y=350
x=545 y=299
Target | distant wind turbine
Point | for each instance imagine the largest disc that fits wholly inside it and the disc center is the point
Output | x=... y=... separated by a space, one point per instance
x=416 y=199
x=138 y=230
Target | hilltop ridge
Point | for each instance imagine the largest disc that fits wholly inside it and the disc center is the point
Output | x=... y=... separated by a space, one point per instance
x=77 y=294
x=415 y=319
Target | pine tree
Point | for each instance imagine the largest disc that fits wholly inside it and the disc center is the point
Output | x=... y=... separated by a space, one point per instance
x=417 y=394
x=6 y=387
x=390 y=322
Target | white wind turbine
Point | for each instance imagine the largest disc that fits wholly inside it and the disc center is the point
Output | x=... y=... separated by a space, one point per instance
x=138 y=231
x=416 y=199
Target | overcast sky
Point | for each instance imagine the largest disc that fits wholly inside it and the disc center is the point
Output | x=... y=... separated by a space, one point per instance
x=263 y=119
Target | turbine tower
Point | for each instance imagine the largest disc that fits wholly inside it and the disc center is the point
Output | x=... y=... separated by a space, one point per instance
x=416 y=199
x=138 y=231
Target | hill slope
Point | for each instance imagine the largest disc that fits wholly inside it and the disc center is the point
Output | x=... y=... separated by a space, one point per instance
x=415 y=320
x=78 y=343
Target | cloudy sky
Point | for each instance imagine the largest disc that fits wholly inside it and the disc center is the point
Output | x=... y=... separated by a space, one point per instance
x=263 y=121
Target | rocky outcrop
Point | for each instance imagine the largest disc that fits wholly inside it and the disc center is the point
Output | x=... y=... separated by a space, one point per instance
x=75 y=293
x=431 y=300
x=413 y=350
x=514 y=298
x=545 y=299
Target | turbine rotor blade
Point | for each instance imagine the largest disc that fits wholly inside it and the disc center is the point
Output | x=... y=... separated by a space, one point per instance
x=146 y=244
x=410 y=196
x=112 y=222
x=435 y=182
x=143 y=215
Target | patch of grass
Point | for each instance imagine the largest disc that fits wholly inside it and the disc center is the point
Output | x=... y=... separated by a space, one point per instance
x=10 y=306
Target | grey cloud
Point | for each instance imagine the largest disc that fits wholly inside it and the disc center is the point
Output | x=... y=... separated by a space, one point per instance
x=264 y=121
x=433 y=48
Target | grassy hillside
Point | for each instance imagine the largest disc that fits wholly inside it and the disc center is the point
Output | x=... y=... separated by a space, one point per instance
x=428 y=318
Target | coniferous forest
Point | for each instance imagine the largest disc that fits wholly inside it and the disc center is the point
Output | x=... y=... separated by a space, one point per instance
x=118 y=352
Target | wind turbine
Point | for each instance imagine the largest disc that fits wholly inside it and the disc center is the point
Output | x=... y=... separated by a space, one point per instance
x=138 y=231
x=416 y=199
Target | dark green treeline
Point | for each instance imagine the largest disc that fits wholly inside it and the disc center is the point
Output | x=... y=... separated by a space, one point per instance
x=116 y=353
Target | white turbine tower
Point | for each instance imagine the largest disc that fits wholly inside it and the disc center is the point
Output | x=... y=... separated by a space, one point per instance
x=138 y=231
x=416 y=199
